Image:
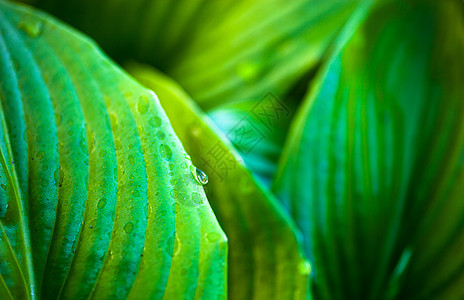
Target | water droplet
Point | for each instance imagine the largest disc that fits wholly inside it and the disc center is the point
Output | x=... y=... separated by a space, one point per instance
x=199 y=175
x=117 y=144
x=184 y=165
x=187 y=156
x=213 y=237
x=175 y=208
x=59 y=176
x=102 y=203
x=142 y=104
x=173 y=181
x=174 y=193
x=93 y=224
x=197 y=198
x=136 y=193
x=165 y=151
x=102 y=153
x=40 y=155
x=31 y=26
x=3 y=186
x=304 y=268
x=155 y=121
x=129 y=227
x=160 y=135
x=131 y=159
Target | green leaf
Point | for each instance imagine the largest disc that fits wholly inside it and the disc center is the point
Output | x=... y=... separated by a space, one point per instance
x=373 y=169
x=219 y=51
x=94 y=201
x=264 y=257
x=257 y=129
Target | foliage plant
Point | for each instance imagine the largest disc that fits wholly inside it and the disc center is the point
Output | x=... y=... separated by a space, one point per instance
x=246 y=149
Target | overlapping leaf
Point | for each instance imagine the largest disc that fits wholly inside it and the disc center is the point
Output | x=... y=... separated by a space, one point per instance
x=265 y=261
x=94 y=199
x=373 y=169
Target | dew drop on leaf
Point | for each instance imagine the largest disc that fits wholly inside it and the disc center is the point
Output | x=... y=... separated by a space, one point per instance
x=32 y=27
x=129 y=227
x=59 y=176
x=199 y=175
x=117 y=144
x=93 y=224
x=175 y=208
x=155 y=122
x=102 y=203
x=165 y=151
x=212 y=236
x=142 y=104
x=174 y=193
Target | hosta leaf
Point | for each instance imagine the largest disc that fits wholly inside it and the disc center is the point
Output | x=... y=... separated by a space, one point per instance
x=264 y=257
x=220 y=51
x=94 y=201
x=372 y=171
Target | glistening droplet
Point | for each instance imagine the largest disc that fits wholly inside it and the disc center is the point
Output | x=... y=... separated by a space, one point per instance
x=199 y=175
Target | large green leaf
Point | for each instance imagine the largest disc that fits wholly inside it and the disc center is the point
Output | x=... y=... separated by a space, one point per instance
x=265 y=261
x=94 y=199
x=373 y=168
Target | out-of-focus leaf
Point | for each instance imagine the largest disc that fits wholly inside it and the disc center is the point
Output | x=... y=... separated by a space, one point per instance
x=265 y=261
x=94 y=199
x=257 y=129
x=219 y=51
x=373 y=168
